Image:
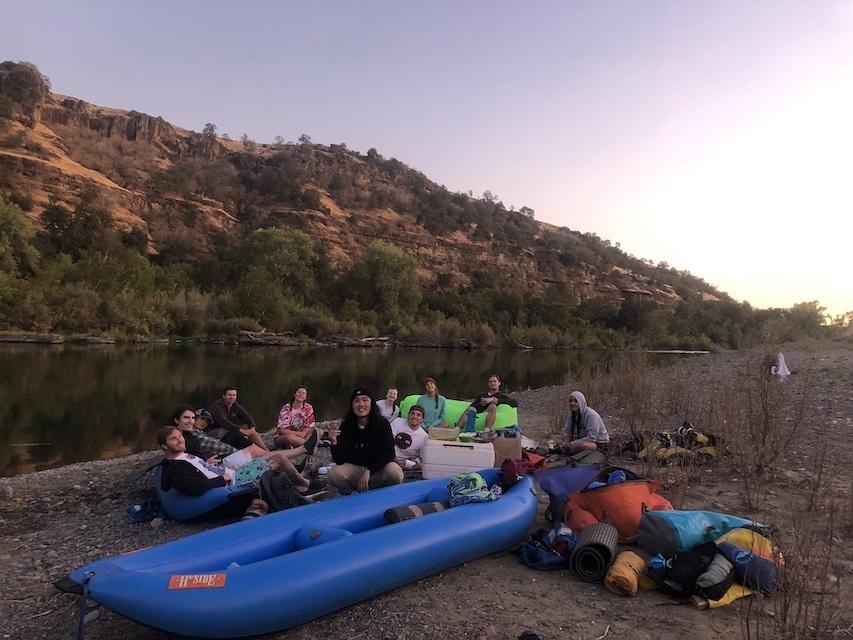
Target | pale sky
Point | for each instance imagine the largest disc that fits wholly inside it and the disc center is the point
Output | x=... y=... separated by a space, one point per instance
x=715 y=136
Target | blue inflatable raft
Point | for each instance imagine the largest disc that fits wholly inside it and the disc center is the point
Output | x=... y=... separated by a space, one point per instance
x=239 y=580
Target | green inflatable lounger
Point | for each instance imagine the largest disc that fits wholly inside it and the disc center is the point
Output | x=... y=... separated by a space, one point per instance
x=506 y=415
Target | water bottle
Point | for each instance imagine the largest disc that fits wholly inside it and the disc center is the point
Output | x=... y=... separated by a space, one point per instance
x=472 y=418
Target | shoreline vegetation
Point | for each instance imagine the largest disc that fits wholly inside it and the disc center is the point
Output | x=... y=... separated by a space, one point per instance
x=785 y=461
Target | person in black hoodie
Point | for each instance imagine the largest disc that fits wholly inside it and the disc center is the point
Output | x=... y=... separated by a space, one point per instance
x=363 y=448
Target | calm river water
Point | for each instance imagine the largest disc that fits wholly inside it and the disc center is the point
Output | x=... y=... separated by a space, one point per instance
x=64 y=404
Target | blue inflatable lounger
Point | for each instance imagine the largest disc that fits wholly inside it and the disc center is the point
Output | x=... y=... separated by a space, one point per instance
x=218 y=502
x=233 y=581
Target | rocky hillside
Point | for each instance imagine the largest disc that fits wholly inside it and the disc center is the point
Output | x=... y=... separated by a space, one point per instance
x=183 y=188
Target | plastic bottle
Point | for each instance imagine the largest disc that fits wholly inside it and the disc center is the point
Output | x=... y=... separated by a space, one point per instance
x=472 y=418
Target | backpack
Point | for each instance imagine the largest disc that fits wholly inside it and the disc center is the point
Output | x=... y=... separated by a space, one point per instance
x=514 y=470
x=278 y=492
x=549 y=550
x=703 y=568
x=559 y=482
x=668 y=532
x=621 y=503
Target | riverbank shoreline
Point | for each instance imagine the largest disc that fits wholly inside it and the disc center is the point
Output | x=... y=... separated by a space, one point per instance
x=54 y=521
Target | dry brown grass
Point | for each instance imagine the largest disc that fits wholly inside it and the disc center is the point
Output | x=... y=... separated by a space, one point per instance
x=759 y=418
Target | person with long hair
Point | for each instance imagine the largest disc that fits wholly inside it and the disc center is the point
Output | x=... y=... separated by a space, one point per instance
x=434 y=406
x=362 y=448
x=295 y=421
x=215 y=451
x=584 y=429
x=388 y=405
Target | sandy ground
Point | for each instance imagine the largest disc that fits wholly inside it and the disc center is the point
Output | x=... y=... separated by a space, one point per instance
x=53 y=522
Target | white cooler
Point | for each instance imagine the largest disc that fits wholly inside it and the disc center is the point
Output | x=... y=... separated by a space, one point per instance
x=446 y=458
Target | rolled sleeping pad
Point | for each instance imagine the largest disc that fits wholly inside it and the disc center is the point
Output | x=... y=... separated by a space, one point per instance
x=594 y=552
x=400 y=514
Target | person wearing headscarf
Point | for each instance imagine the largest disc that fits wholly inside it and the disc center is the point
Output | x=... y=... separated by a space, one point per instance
x=362 y=448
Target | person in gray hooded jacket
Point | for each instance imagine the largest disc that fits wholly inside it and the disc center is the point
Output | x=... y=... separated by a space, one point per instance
x=584 y=429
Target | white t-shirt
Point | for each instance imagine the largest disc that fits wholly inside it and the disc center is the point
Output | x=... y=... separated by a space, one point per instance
x=407 y=443
x=389 y=412
x=209 y=470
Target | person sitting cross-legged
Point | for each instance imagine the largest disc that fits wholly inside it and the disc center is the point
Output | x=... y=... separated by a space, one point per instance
x=584 y=429
x=409 y=439
x=363 y=448
x=295 y=421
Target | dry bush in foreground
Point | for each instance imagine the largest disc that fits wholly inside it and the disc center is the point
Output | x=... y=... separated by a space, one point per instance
x=760 y=418
x=810 y=599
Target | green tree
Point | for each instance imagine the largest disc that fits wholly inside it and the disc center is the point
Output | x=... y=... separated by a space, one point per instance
x=17 y=255
x=259 y=298
x=287 y=256
x=73 y=232
x=386 y=281
x=807 y=319
x=18 y=260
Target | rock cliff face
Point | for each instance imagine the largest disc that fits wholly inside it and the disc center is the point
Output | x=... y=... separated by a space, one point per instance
x=74 y=148
x=128 y=125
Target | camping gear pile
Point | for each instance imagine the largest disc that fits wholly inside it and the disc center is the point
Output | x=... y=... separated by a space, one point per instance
x=706 y=558
x=684 y=444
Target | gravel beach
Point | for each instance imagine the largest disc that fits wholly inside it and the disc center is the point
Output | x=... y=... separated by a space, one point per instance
x=52 y=522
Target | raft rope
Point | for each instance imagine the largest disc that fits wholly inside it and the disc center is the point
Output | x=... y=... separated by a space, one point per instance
x=86 y=577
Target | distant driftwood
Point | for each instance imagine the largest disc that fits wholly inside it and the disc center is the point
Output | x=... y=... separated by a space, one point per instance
x=271 y=339
x=32 y=338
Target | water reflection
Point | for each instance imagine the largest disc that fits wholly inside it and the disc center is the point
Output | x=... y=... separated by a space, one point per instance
x=64 y=404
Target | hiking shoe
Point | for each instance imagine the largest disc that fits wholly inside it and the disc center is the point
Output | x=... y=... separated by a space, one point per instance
x=311 y=444
x=304 y=463
x=317 y=484
x=257 y=509
x=309 y=497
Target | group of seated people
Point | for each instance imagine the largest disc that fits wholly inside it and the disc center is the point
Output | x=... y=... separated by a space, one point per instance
x=371 y=447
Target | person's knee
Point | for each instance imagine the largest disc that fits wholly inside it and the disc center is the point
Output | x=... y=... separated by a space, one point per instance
x=492 y=409
x=392 y=474
x=336 y=475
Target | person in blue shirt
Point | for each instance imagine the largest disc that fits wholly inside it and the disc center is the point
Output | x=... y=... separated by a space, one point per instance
x=434 y=405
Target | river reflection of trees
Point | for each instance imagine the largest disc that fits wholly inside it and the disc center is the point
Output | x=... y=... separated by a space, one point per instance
x=64 y=404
